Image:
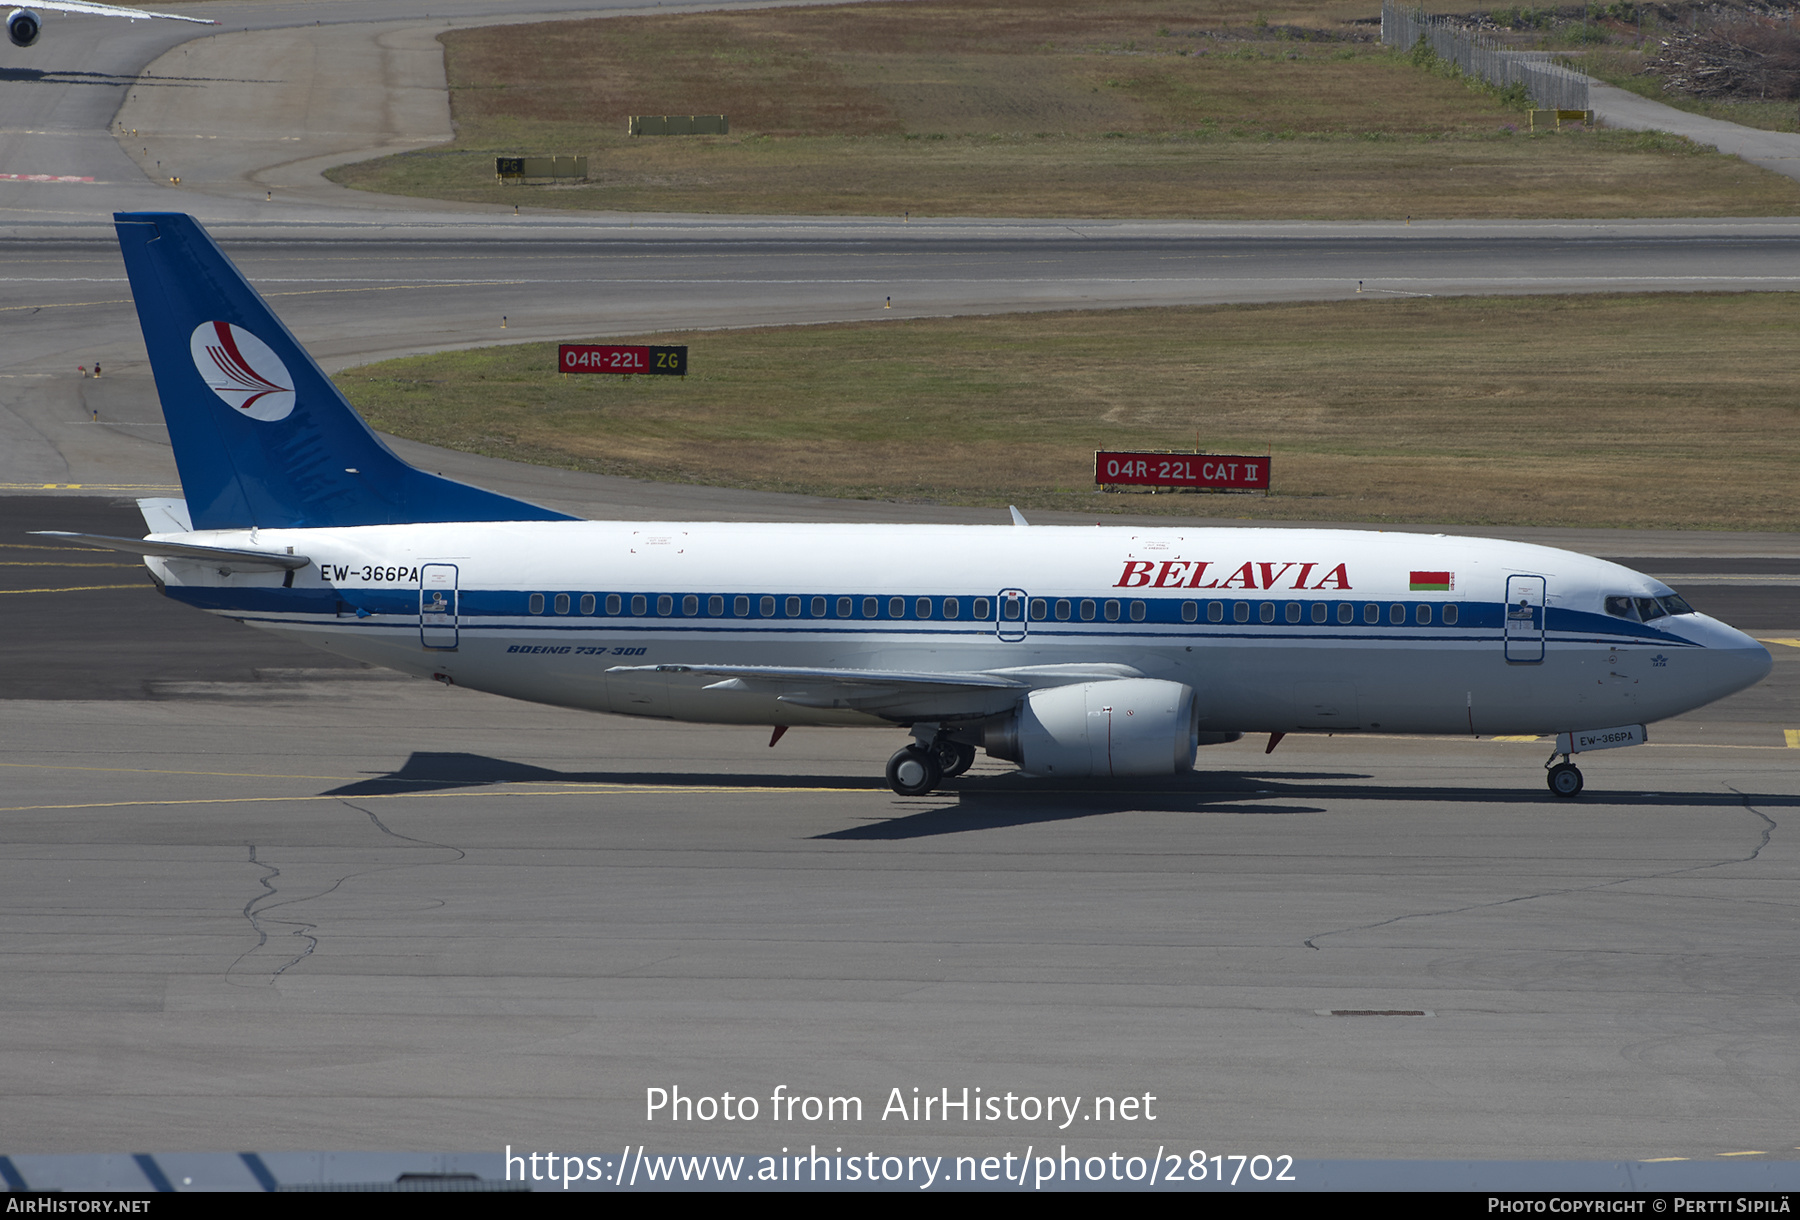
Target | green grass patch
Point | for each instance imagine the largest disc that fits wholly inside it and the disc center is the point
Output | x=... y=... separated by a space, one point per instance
x=1145 y=108
x=1668 y=411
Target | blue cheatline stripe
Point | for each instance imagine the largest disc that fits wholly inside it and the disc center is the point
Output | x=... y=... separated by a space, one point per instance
x=874 y=631
x=152 y=1171
x=511 y=606
x=259 y=1171
x=9 y=1174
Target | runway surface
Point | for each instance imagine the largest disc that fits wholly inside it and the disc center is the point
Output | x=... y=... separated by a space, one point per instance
x=253 y=897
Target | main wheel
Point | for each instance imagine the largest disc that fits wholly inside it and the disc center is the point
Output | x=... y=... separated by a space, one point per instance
x=913 y=771
x=1565 y=779
x=953 y=757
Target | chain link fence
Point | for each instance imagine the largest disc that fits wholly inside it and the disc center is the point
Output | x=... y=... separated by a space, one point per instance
x=1548 y=86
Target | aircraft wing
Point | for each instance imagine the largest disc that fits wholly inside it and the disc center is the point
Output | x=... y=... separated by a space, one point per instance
x=238 y=559
x=113 y=10
x=894 y=694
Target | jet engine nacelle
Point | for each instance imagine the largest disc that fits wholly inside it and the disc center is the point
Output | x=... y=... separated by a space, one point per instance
x=23 y=27
x=1127 y=726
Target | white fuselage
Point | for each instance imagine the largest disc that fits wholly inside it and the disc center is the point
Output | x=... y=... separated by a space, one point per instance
x=1275 y=630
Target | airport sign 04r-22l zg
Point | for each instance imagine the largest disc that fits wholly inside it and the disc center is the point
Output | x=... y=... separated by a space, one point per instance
x=624 y=360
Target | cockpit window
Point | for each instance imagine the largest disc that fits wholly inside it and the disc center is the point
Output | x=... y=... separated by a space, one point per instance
x=1645 y=609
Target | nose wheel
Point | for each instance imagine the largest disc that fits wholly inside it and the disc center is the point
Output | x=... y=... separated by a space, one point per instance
x=1565 y=778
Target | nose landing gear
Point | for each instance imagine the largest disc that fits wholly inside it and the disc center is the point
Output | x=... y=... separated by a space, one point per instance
x=1564 y=777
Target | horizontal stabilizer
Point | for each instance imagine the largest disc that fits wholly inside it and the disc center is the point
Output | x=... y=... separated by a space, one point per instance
x=270 y=561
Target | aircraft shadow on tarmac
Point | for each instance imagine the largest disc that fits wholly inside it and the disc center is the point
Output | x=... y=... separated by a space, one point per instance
x=437 y=771
x=54 y=76
x=984 y=802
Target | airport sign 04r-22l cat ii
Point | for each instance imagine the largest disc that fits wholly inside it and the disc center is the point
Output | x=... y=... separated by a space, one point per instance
x=1072 y=652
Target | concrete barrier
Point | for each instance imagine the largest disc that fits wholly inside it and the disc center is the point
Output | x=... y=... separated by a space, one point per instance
x=1548 y=119
x=677 y=125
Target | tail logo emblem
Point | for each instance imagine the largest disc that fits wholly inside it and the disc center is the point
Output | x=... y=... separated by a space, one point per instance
x=242 y=371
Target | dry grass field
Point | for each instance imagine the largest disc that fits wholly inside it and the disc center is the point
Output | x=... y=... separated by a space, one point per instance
x=1649 y=411
x=1155 y=108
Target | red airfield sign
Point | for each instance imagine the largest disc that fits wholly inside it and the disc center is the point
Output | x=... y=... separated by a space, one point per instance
x=1232 y=472
x=625 y=360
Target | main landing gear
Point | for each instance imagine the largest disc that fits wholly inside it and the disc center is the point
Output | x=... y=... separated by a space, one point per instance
x=1564 y=777
x=922 y=766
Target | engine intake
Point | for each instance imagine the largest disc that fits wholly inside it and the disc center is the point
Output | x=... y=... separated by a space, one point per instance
x=23 y=27
x=1127 y=726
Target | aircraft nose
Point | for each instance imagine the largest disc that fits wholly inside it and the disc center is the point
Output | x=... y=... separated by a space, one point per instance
x=1735 y=661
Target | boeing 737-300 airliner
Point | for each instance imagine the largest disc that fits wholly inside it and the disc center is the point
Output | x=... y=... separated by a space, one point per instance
x=1070 y=652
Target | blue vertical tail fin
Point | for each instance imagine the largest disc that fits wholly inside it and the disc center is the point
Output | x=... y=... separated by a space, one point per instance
x=261 y=436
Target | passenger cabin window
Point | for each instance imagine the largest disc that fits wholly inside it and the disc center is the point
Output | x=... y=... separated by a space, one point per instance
x=952 y=607
x=562 y=603
x=1318 y=612
x=535 y=603
x=740 y=606
x=793 y=607
x=1039 y=610
x=1450 y=616
x=1371 y=613
x=665 y=604
x=1422 y=615
x=1346 y=612
x=846 y=606
x=871 y=607
x=1397 y=614
x=1266 y=612
x=1112 y=612
x=638 y=603
x=1190 y=611
x=1240 y=613
x=614 y=603
x=1087 y=611
x=768 y=606
x=922 y=607
x=715 y=605
x=896 y=607
x=587 y=603
x=1063 y=609
x=1138 y=610
x=1293 y=612
x=982 y=608
x=690 y=605
x=1215 y=612
x=818 y=607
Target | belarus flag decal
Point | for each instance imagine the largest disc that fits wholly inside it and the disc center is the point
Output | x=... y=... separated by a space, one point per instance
x=1433 y=582
x=242 y=371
